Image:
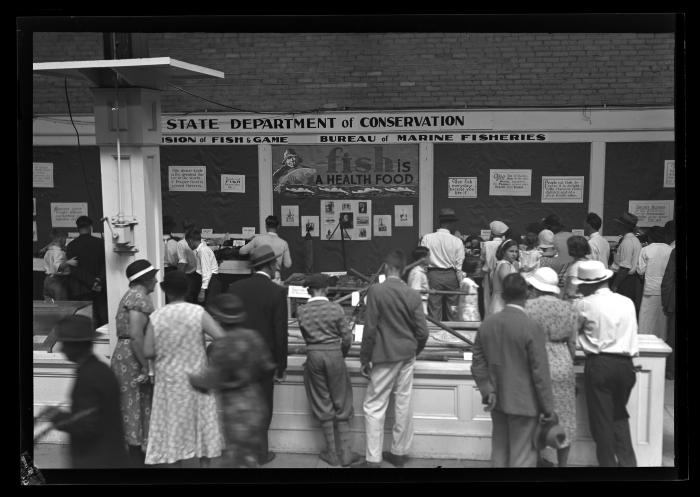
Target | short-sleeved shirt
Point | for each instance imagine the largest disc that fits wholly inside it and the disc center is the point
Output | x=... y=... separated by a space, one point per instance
x=627 y=254
x=53 y=259
x=652 y=264
x=185 y=255
x=600 y=248
x=446 y=250
x=136 y=298
x=170 y=256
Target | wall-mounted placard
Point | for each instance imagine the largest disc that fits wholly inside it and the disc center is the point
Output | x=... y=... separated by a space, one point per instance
x=562 y=189
x=64 y=214
x=670 y=174
x=187 y=178
x=233 y=183
x=42 y=175
x=461 y=187
x=510 y=182
x=651 y=212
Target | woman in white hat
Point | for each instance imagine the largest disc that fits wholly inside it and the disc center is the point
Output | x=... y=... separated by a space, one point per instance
x=560 y=323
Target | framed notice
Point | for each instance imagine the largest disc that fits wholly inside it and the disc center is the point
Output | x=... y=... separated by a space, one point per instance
x=310 y=224
x=64 y=214
x=352 y=216
x=651 y=212
x=42 y=176
x=207 y=232
x=290 y=215
x=187 y=178
x=464 y=187
x=248 y=231
x=403 y=216
x=510 y=182
x=669 y=174
x=578 y=232
x=562 y=189
x=233 y=183
x=382 y=225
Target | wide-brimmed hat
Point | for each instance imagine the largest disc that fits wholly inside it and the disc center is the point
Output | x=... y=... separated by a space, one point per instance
x=545 y=279
x=590 y=272
x=75 y=329
x=175 y=283
x=545 y=239
x=140 y=268
x=447 y=214
x=261 y=255
x=317 y=280
x=627 y=219
x=498 y=228
x=227 y=308
x=549 y=434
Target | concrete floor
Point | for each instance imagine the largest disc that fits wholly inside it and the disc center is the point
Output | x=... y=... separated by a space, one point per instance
x=55 y=456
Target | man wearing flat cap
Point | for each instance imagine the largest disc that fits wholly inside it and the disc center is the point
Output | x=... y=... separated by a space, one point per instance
x=626 y=281
x=94 y=422
x=445 y=267
x=609 y=341
x=265 y=304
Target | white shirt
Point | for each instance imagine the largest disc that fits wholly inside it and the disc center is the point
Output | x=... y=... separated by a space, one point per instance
x=206 y=263
x=600 y=248
x=53 y=258
x=489 y=253
x=652 y=263
x=610 y=323
x=170 y=256
x=446 y=250
x=278 y=245
x=627 y=254
x=185 y=255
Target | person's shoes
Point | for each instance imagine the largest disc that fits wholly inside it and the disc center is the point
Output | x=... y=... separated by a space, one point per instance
x=329 y=457
x=544 y=463
x=270 y=456
x=391 y=458
x=363 y=463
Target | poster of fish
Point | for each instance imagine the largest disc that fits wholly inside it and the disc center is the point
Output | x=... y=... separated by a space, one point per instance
x=351 y=218
x=352 y=171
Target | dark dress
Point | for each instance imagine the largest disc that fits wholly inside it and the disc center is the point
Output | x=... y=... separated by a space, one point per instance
x=237 y=363
x=97 y=440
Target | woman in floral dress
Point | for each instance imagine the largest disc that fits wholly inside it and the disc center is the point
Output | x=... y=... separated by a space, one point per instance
x=184 y=421
x=128 y=360
x=560 y=323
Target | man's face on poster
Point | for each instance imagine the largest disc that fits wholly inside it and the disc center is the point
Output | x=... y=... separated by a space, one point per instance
x=291 y=161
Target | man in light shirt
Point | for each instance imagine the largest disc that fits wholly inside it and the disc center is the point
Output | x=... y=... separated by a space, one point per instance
x=652 y=264
x=170 y=257
x=187 y=263
x=627 y=281
x=273 y=240
x=207 y=267
x=444 y=270
x=609 y=340
x=600 y=248
x=488 y=257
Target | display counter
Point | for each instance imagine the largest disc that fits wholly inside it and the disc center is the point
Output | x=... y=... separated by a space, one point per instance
x=449 y=420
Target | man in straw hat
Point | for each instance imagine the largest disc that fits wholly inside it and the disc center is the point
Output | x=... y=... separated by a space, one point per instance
x=511 y=370
x=445 y=268
x=94 y=422
x=626 y=281
x=488 y=257
x=265 y=304
x=609 y=340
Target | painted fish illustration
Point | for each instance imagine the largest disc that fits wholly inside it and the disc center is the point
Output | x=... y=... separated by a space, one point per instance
x=333 y=189
x=297 y=189
x=398 y=189
x=367 y=190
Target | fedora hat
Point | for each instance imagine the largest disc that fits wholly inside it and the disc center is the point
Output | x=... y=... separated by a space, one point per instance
x=549 y=434
x=590 y=272
x=75 y=329
x=498 y=228
x=227 y=308
x=627 y=219
x=140 y=268
x=545 y=239
x=261 y=255
x=447 y=214
x=318 y=280
x=545 y=279
x=175 y=283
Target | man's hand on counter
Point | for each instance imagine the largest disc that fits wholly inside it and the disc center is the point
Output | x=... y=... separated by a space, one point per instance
x=280 y=376
x=365 y=369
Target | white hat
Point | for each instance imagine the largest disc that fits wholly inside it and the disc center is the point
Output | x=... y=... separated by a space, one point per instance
x=545 y=239
x=498 y=228
x=590 y=272
x=545 y=279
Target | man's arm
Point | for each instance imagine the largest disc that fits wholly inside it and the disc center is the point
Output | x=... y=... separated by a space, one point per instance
x=421 y=326
x=480 y=368
x=345 y=331
x=286 y=257
x=625 y=253
x=181 y=257
x=245 y=249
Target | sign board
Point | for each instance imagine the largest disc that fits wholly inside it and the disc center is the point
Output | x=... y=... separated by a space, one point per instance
x=464 y=187
x=64 y=214
x=670 y=174
x=233 y=183
x=485 y=235
x=562 y=189
x=312 y=224
x=510 y=182
x=297 y=292
x=42 y=175
x=187 y=178
x=248 y=231
x=651 y=212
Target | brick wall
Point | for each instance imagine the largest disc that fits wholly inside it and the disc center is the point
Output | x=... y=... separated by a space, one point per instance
x=287 y=72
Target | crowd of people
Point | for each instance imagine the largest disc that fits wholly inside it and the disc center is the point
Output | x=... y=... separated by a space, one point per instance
x=195 y=378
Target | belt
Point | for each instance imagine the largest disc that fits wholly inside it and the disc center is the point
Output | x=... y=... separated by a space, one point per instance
x=609 y=354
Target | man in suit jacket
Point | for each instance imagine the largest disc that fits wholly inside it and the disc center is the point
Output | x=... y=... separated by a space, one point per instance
x=95 y=421
x=511 y=370
x=265 y=303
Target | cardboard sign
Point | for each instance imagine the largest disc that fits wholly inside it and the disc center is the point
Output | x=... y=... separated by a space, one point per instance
x=562 y=189
x=233 y=183
x=297 y=292
x=577 y=232
x=248 y=231
x=464 y=187
x=64 y=214
x=651 y=212
x=670 y=174
x=42 y=175
x=510 y=182
x=485 y=235
x=207 y=232
x=187 y=178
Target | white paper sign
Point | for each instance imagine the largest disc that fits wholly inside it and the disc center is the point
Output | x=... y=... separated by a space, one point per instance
x=354 y=298
x=669 y=174
x=187 y=178
x=652 y=212
x=310 y=223
x=359 y=329
x=510 y=182
x=403 y=215
x=207 y=232
x=577 y=232
x=381 y=278
x=248 y=231
x=562 y=189
x=464 y=187
x=290 y=215
x=297 y=292
x=485 y=235
x=64 y=214
x=382 y=225
x=233 y=183
x=42 y=175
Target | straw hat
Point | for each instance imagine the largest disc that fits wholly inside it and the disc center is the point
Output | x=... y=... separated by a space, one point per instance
x=590 y=272
x=498 y=228
x=545 y=279
x=140 y=268
x=545 y=239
